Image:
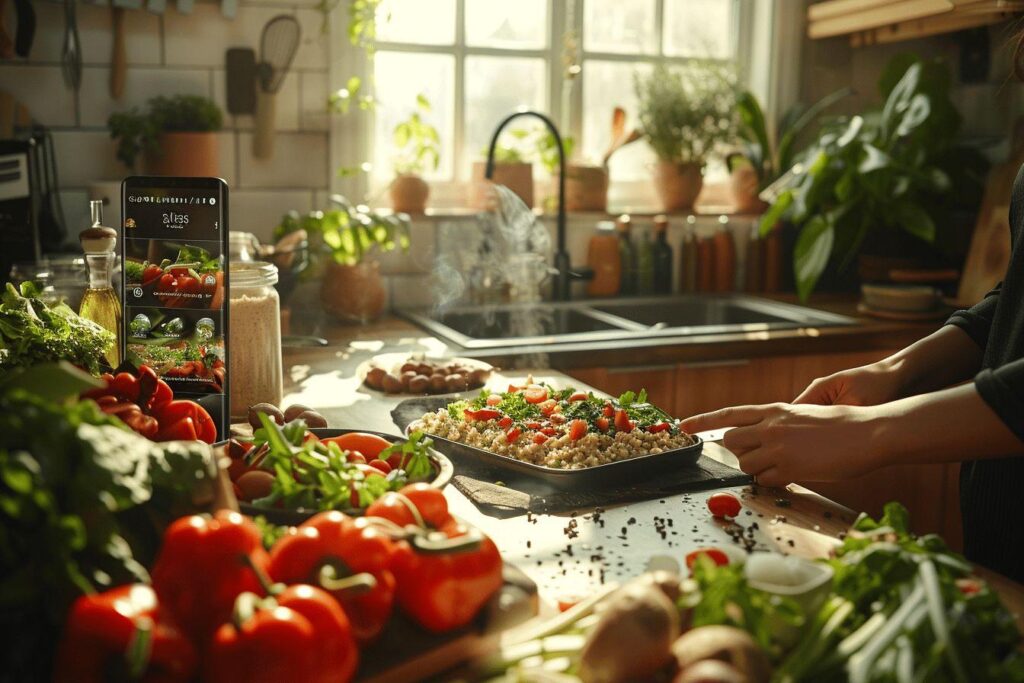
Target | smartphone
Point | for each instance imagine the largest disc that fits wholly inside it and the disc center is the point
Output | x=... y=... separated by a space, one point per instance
x=174 y=286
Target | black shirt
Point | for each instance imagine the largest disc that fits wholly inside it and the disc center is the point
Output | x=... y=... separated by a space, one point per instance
x=992 y=491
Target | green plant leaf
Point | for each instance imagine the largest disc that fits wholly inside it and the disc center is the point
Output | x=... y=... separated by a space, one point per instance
x=851 y=133
x=874 y=160
x=914 y=219
x=793 y=126
x=915 y=115
x=775 y=212
x=811 y=254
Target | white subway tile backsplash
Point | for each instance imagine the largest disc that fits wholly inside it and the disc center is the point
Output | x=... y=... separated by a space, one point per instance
x=288 y=109
x=313 y=100
x=312 y=52
x=202 y=37
x=299 y=161
x=84 y=157
x=42 y=90
x=141 y=32
x=259 y=211
x=141 y=84
x=411 y=291
x=75 y=206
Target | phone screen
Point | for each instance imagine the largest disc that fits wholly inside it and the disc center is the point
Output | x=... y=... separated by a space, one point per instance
x=175 y=289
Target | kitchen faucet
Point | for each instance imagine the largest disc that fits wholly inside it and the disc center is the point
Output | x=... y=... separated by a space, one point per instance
x=564 y=272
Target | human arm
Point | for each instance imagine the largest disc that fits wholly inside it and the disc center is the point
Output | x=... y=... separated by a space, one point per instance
x=780 y=443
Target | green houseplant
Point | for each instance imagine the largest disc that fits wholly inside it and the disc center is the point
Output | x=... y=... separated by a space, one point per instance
x=685 y=114
x=882 y=179
x=173 y=135
x=343 y=241
x=417 y=150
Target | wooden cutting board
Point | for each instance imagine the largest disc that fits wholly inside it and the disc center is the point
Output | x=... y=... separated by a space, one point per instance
x=989 y=253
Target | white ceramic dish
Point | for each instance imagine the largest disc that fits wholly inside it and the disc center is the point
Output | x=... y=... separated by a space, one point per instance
x=903 y=298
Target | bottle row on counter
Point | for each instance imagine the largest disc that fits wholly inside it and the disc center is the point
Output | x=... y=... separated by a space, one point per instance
x=629 y=258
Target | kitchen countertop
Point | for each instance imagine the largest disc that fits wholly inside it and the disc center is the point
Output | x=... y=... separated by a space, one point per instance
x=619 y=542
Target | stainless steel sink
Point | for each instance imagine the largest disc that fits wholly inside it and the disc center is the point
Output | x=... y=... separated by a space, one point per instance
x=544 y=324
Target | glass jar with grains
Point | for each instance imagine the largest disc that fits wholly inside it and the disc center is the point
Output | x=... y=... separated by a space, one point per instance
x=254 y=337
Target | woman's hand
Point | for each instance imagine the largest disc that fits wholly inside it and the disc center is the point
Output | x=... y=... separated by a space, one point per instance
x=780 y=443
x=868 y=385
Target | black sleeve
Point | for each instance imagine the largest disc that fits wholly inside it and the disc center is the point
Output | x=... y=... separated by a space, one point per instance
x=976 y=321
x=1003 y=390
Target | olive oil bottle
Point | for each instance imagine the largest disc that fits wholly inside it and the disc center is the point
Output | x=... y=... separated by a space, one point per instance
x=100 y=302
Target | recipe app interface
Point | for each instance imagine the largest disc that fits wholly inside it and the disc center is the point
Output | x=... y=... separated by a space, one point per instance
x=174 y=286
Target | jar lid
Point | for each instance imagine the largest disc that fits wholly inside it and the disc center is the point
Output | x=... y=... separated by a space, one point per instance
x=252 y=274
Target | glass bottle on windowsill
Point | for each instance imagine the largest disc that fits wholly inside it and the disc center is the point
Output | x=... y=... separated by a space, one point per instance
x=627 y=256
x=662 y=257
x=100 y=302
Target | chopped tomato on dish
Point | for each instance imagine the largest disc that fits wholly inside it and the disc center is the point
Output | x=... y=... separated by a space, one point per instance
x=577 y=429
x=535 y=393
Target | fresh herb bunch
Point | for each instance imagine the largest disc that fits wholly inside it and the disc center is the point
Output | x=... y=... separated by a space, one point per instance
x=905 y=608
x=32 y=332
x=138 y=131
x=530 y=144
x=313 y=475
x=80 y=498
x=417 y=142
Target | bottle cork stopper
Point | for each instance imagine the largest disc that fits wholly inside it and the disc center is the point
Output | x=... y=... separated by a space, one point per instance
x=97 y=238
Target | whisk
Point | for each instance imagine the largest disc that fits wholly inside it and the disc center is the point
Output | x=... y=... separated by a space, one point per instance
x=278 y=45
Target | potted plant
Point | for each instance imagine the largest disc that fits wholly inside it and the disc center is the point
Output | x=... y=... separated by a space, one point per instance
x=417 y=146
x=586 y=186
x=342 y=242
x=684 y=114
x=512 y=168
x=765 y=158
x=176 y=136
x=880 y=185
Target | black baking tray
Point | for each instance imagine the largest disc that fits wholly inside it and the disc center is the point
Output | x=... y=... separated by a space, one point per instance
x=611 y=475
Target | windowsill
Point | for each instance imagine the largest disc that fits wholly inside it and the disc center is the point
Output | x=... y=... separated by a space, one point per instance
x=704 y=211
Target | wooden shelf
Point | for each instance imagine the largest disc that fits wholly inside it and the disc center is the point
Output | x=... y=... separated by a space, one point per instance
x=868 y=22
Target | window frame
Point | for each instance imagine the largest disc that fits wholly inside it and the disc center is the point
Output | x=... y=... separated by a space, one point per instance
x=352 y=135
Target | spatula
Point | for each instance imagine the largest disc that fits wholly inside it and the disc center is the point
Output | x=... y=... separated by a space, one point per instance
x=278 y=45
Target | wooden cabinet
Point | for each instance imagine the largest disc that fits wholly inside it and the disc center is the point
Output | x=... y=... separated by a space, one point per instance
x=659 y=381
x=702 y=387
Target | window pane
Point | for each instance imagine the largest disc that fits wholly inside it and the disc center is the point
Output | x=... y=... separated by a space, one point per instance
x=427 y=22
x=496 y=87
x=617 y=26
x=605 y=86
x=699 y=28
x=519 y=25
x=400 y=76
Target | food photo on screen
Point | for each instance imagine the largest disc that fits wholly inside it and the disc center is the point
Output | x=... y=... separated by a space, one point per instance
x=184 y=347
x=173 y=274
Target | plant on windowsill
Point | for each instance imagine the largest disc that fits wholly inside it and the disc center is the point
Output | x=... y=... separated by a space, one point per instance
x=344 y=241
x=418 y=149
x=685 y=113
x=765 y=158
x=889 y=188
x=175 y=136
x=513 y=168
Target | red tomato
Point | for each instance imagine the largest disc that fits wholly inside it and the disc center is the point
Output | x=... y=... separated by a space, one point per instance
x=714 y=554
x=539 y=438
x=567 y=602
x=505 y=422
x=969 y=585
x=659 y=427
x=622 y=421
x=578 y=396
x=513 y=389
x=549 y=406
x=513 y=434
x=577 y=429
x=602 y=423
x=724 y=505
x=370 y=445
x=381 y=465
x=558 y=419
x=549 y=431
x=493 y=400
x=356 y=457
x=533 y=425
x=608 y=410
x=431 y=503
x=535 y=394
x=482 y=415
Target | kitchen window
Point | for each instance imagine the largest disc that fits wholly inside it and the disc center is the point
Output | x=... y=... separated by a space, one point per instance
x=477 y=60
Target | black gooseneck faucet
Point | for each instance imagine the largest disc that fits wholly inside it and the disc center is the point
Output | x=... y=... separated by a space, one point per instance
x=560 y=286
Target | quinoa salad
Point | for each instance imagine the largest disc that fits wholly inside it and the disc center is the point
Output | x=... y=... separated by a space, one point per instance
x=558 y=428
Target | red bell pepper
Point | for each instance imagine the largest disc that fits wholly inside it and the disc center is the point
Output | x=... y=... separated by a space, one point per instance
x=330 y=547
x=299 y=635
x=182 y=419
x=122 y=634
x=204 y=564
x=416 y=504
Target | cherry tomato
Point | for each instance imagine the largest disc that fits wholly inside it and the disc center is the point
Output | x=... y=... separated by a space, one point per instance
x=549 y=407
x=533 y=425
x=370 y=445
x=558 y=419
x=431 y=503
x=535 y=393
x=513 y=434
x=622 y=421
x=505 y=422
x=513 y=389
x=714 y=554
x=493 y=400
x=482 y=415
x=577 y=429
x=381 y=465
x=658 y=427
x=356 y=457
x=539 y=438
x=567 y=602
x=549 y=431
x=724 y=505
x=608 y=410
x=602 y=423
x=578 y=396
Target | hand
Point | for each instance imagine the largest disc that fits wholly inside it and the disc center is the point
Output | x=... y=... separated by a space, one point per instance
x=868 y=385
x=780 y=443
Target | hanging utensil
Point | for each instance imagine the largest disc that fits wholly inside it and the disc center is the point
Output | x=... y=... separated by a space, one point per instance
x=71 y=57
x=25 y=15
x=278 y=45
x=620 y=138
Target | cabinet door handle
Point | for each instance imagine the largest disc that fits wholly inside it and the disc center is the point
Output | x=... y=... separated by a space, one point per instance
x=626 y=369
x=698 y=365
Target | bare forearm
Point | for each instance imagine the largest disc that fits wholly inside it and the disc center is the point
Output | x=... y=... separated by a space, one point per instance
x=942 y=359
x=943 y=426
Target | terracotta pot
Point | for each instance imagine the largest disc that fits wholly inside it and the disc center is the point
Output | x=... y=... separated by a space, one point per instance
x=184 y=154
x=743 y=184
x=586 y=188
x=516 y=177
x=409 y=193
x=353 y=293
x=678 y=184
